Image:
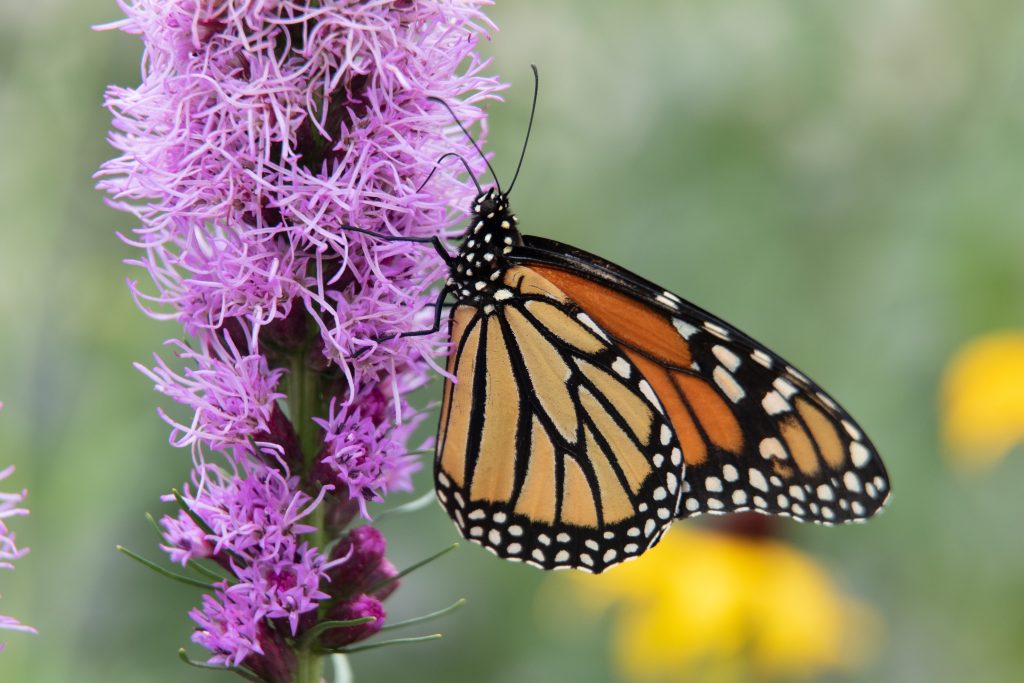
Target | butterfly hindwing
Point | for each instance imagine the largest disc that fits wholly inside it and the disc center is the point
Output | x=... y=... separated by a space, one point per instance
x=553 y=449
x=756 y=434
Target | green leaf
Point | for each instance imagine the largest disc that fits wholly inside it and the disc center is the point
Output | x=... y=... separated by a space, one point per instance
x=244 y=673
x=316 y=630
x=426 y=617
x=209 y=573
x=380 y=584
x=412 y=506
x=387 y=643
x=156 y=525
x=188 y=511
x=187 y=580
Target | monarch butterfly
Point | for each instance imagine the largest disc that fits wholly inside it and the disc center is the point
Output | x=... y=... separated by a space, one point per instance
x=591 y=408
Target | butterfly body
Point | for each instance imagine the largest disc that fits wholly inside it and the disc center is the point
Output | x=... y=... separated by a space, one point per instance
x=591 y=408
x=477 y=271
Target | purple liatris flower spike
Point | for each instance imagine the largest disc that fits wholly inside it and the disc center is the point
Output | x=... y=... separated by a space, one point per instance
x=9 y=551
x=259 y=132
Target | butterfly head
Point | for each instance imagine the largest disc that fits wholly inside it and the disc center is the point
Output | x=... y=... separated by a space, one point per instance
x=491 y=204
x=491 y=213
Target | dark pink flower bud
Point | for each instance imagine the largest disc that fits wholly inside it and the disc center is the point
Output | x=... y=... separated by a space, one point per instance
x=385 y=572
x=281 y=433
x=356 y=608
x=288 y=332
x=365 y=548
x=277 y=661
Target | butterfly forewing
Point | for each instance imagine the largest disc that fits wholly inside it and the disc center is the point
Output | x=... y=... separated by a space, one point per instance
x=755 y=433
x=553 y=448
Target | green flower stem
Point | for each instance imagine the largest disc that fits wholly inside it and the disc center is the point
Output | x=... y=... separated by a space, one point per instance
x=310 y=666
x=304 y=401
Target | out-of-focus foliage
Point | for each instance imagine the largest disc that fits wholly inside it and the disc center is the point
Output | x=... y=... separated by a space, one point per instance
x=841 y=180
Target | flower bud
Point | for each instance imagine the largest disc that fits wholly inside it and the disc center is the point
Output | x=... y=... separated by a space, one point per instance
x=365 y=548
x=385 y=571
x=281 y=433
x=278 y=662
x=356 y=608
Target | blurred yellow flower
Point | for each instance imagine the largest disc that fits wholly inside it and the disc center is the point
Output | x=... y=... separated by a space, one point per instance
x=983 y=399
x=725 y=607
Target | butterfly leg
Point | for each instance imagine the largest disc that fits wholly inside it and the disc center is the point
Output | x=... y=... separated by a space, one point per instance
x=434 y=241
x=434 y=328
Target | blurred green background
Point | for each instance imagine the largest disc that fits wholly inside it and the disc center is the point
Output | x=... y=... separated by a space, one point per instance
x=842 y=180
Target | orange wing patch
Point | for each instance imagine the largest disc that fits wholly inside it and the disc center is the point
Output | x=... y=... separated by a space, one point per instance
x=712 y=412
x=697 y=411
x=623 y=317
x=824 y=433
x=494 y=474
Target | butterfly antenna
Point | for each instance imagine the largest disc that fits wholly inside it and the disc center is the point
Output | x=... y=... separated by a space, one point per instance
x=470 y=137
x=437 y=165
x=529 y=127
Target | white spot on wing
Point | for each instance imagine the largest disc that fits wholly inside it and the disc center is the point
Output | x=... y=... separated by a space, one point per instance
x=761 y=358
x=859 y=454
x=796 y=373
x=726 y=357
x=757 y=480
x=594 y=327
x=716 y=330
x=649 y=394
x=684 y=328
x=773 y=403
x=728 y=384
x=665 y=300
x=784 y=387
x=772 y=448
x=622 y=367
